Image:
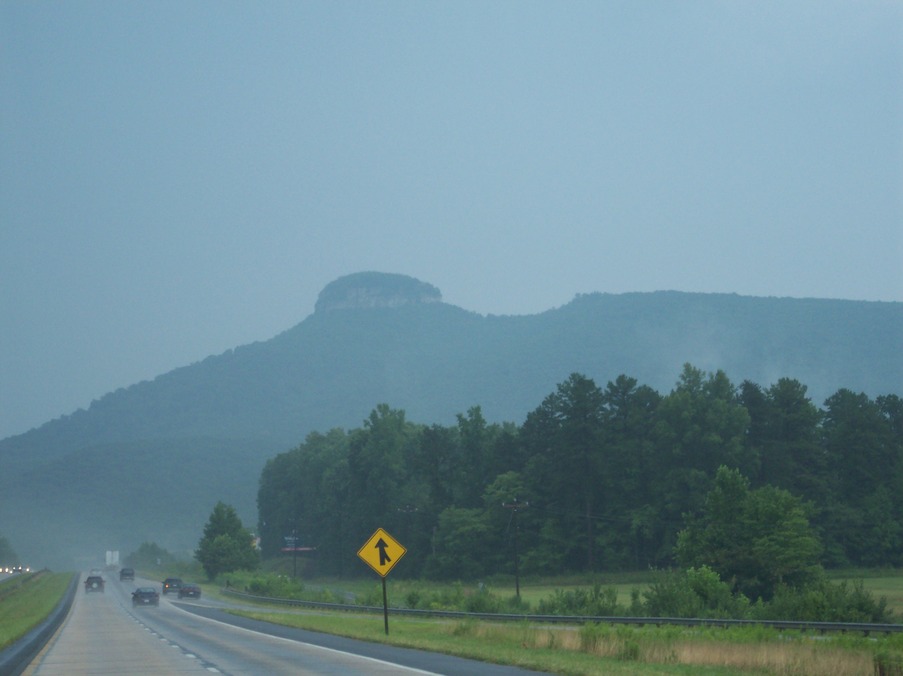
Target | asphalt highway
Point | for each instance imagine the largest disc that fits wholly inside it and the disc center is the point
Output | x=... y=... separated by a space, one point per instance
x=103 y=634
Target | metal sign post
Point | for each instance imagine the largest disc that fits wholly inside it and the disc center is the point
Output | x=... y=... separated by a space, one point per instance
x=291 y=542
x=381 y=552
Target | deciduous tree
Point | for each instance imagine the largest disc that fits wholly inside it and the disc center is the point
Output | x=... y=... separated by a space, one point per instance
x=226 y=544
x=754 y=539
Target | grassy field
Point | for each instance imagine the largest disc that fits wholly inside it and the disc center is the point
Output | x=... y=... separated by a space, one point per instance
x=886 y=583
x=27 y=599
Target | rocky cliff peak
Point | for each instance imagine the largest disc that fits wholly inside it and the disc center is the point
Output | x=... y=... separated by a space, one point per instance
x=375 y=290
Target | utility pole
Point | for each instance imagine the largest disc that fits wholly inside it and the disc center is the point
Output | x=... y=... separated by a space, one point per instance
x=514 y=506
x=294 y=554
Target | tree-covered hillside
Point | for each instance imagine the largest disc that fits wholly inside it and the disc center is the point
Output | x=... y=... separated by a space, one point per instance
x=385 y=338
x=433 y=359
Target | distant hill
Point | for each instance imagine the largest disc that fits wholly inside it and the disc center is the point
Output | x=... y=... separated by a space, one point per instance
x=148 y=462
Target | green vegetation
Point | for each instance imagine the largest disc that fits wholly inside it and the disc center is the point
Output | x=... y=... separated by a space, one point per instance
x=591 y=649
x=209 y=427
x=756 y=485
x=25 y=600
x=694 y=593
x=607 y=649
x=887 y=585
x=226 y=544
x=152 y=561
x=150 y=556
x=761 y=539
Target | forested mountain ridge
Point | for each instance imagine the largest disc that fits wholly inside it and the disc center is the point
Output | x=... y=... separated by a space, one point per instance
x=384 y=338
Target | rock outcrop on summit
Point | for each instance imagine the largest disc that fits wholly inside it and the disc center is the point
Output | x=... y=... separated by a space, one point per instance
x=375 y=290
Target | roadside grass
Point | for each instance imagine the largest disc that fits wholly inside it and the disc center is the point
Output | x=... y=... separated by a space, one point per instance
x=26 y=600
x=593 y=650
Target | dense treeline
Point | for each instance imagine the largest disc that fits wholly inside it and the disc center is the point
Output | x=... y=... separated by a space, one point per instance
x=595 y=479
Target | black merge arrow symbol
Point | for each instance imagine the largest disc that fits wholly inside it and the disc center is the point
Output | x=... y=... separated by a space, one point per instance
x=383 y=557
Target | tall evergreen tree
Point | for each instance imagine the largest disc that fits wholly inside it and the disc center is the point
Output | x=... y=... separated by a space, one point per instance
x=631 y=526
x=784 y=429
x=700 y=425
x=568 y=468
x=863 y=453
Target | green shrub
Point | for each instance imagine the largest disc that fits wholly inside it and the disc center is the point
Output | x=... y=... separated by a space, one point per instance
x=448 y=598
x=629 y=651
x=515 y=605
x=264 y=584
x=597 y=602
x=592 y=635
x=482 y=601
x=888 y=663
x=465 y=628
x=412 y=598
x=825 y=601
x=374 y=597
x=696 y=592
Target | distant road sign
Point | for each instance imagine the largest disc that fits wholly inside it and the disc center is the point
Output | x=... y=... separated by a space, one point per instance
x=381 y=552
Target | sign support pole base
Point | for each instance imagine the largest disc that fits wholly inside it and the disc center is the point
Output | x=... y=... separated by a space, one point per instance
x=385 y=607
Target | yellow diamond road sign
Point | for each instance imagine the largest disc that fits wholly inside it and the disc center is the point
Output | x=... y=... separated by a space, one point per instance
x=381 y=552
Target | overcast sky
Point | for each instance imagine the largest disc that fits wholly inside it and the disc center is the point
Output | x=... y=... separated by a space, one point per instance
x=179 y=178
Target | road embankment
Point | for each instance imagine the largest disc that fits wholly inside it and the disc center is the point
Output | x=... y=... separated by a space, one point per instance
x=15 y=658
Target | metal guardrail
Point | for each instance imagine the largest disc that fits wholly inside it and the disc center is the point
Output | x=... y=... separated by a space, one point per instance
x=865 y=628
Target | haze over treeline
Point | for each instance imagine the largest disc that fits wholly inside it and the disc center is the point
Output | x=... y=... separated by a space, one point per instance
x=178 y=178
x=147 y=462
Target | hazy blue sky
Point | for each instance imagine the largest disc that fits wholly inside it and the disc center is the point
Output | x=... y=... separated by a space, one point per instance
x=179 y=178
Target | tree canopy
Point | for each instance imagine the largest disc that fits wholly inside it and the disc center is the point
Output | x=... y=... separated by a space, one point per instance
x=757 y=484
x=755 y=539
x=226 y=544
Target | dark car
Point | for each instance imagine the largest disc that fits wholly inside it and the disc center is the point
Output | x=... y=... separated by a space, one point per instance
x=94 y=583
x=145 y=596
x=171 y=584
x=127 y=574
x=192 y=591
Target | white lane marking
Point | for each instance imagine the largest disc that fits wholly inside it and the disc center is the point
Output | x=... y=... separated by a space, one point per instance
x=317 y=647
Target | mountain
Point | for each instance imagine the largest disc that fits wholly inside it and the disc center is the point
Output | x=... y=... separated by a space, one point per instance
x=148 y=462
